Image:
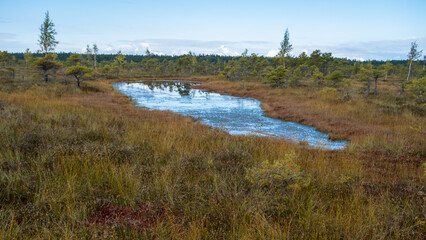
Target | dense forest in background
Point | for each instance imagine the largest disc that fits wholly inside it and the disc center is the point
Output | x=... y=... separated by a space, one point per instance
x=63 y=56
x=319 y=69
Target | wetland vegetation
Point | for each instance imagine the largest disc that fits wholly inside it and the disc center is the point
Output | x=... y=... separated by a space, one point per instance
x=81 y=161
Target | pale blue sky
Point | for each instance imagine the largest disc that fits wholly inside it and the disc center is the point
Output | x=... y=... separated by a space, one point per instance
x=374 y=29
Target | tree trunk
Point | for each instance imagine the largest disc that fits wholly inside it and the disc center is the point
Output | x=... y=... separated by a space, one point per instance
x=375 y=86
x=94 y=60
x=408 y=77
x=367 y=92
x=78 y=80
x=409 y=70
x=402 y=89
x=46 y=77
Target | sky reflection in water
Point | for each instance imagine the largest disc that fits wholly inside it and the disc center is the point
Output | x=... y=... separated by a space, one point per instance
x=233 y=114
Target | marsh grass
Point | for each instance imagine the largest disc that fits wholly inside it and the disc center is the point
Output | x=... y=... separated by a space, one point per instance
x=382 y=123
x=83 y=163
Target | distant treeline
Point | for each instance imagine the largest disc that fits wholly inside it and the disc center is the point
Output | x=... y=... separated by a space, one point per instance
x=63 y=56
x=318 y=69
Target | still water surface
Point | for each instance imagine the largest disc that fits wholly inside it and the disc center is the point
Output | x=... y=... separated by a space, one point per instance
x=233 y=114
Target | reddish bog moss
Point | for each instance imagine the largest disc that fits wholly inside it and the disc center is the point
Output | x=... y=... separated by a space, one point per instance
x=143 y=216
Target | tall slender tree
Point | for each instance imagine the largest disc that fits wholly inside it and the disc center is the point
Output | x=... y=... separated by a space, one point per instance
x=47 y=40
x=88 y=55
x=27 y=57
x=285 y=48
x=413 y=55
x=119 y=59
x=243 y=62
x=88 y=50
x=95 y=53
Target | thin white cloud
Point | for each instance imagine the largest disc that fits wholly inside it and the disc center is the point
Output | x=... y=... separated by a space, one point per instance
x=144 y=44
x=272 y=53
x=127 y=48
x=7 y=36
x=224 y=51
x=380 y=50
x=158 y=53
x=357 y=58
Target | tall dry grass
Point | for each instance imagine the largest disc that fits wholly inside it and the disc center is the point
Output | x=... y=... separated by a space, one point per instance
x=381 y=123
x=84 y=163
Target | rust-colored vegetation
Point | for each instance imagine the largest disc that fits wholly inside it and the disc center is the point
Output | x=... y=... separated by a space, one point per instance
x=79 y=162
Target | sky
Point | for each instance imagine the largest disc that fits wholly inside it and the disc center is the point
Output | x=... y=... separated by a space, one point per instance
x=355 y=29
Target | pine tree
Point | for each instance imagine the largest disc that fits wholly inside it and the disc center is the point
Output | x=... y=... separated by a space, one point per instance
x=286 y=47
x=88 y=55
x=27 y=57
x=47 y=40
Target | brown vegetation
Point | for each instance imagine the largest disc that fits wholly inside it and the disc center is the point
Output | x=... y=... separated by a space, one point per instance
x=377 y=121
x=84 y=163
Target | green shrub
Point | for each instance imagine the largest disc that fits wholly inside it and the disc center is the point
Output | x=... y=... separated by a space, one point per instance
x=416 y=88
x=335 y=77
x=279 y=173
x=328 y=93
